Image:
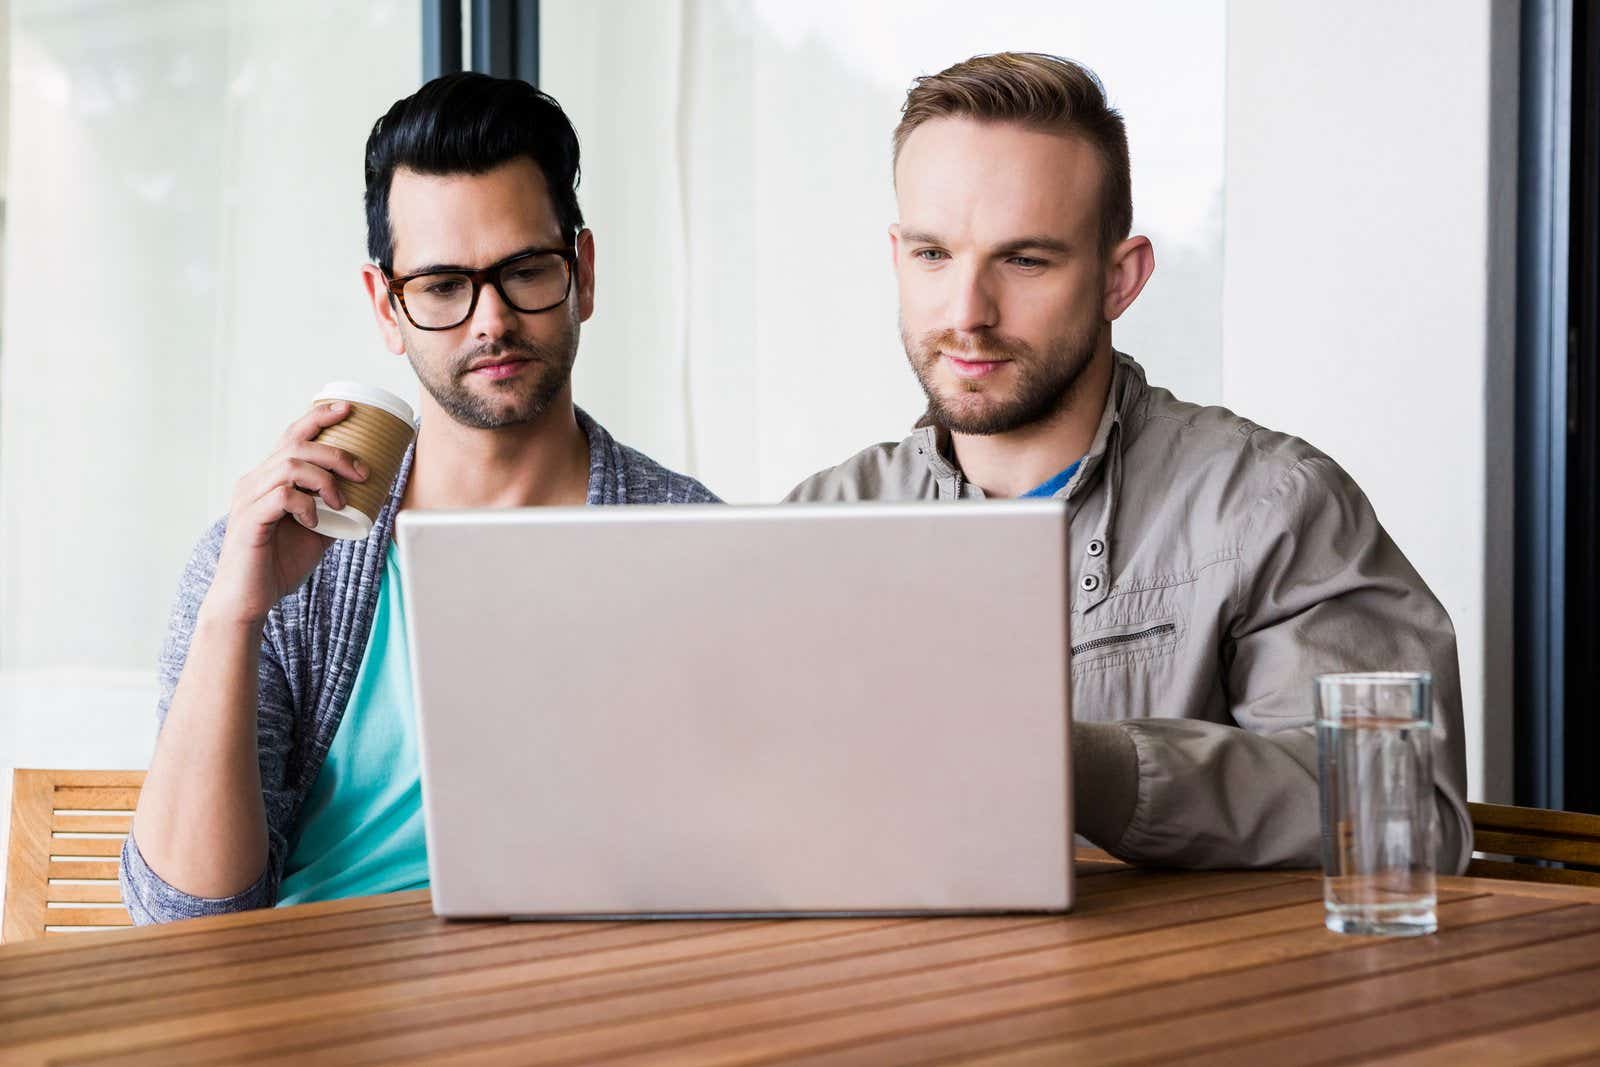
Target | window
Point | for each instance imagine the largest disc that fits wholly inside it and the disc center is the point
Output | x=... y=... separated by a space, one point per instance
x=183 y=231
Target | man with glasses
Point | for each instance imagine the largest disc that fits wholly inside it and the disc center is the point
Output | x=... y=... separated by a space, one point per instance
x=286 y=767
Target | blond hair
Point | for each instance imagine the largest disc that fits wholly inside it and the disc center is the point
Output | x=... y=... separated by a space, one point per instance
x=1040 y=91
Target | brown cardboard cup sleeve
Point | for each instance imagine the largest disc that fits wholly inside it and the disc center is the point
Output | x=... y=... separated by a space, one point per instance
x=377 y=431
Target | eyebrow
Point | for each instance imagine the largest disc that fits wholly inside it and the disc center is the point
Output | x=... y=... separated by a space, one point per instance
x=434 y=268
x=1037 y=241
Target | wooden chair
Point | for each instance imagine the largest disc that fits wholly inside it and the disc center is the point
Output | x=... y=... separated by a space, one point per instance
x=1571 y=838
x=67 y=829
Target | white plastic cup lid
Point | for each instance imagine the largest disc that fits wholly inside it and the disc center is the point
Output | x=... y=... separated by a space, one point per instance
x=370 y=395
x=349 y=523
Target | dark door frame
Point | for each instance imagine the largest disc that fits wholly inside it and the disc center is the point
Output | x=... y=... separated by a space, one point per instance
x=1544 y=166
x=1580 y=722
x=1557 y=644
x=505 y=38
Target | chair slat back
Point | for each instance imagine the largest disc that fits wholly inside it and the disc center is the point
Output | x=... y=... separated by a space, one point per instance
x=67 y=829
x=1530 y=834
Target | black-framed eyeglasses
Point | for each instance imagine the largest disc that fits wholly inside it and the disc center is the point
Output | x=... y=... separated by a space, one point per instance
x=530 y=282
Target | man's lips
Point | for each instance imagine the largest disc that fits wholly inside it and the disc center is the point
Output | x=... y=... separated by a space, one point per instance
x=498 y=367
x=974 y=368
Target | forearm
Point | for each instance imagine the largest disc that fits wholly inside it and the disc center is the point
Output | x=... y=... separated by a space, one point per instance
x=201 y=822
x=1203 y=794
x=1199 y=794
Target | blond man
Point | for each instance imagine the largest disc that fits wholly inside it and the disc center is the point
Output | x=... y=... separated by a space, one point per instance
x=1217 y=565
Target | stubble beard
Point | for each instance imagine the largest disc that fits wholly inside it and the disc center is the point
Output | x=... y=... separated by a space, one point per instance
x=1045 y=383
x=513 y=401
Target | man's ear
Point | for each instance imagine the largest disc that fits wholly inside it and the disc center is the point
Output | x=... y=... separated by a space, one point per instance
x=384 y=308
x=1128 y=267
x=894 y=245
x=585 y=279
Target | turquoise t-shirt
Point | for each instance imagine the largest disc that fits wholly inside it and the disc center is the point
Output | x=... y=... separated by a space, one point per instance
x=360 y=830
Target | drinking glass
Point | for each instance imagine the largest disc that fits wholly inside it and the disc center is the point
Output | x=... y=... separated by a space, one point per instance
x=1379 y=821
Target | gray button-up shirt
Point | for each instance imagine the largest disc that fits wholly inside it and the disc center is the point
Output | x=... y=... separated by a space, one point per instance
x=1217 y=567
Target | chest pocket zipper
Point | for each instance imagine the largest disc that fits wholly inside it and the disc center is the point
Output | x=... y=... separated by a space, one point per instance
x=1120 y=639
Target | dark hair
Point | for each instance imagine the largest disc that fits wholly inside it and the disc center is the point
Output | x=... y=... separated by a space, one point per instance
x=469 y=123
x=1042 y=91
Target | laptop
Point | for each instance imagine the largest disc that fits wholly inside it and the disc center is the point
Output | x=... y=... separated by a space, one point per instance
x=674 y=711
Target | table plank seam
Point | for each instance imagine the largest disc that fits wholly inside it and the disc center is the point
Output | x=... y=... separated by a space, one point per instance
x=389 y=982
x=708 y=979
x=1291 y=1027
x=997 y=1016
x=728 y=953
x=278 y=1048
x=425 y=928
x=825 y=985
x=613 y=971
x=1090 y=1031
x=829 y=1049
x=265 y=929
x=736 y=950
x=267 y=916
x=927 y=969
x=1580 y=1058
x=356 y=967
x=1537 y=1017
x=1030 y=921
x=822 y=1016
x=210 y=925
x=911 y=971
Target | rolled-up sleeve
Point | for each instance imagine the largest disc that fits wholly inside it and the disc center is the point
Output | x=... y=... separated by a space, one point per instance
x=150 y=899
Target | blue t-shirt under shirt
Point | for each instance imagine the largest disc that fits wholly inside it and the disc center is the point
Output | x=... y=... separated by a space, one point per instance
x=1056 y=484
x=360 y=830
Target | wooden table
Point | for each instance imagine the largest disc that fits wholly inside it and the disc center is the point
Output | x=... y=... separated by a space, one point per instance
x=1152 y=967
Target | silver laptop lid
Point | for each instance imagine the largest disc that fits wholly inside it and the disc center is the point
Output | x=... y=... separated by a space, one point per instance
x=728 y=710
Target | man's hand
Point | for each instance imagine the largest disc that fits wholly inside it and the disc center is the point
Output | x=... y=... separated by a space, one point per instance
x=263 y=557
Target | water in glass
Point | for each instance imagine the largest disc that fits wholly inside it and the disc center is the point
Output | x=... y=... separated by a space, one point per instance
x=1378 y=824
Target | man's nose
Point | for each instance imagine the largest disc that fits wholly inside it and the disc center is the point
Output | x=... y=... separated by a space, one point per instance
x=493 y=318
x=972 y=304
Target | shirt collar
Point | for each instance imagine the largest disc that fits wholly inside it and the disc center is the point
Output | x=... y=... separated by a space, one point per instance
x=1127 y=388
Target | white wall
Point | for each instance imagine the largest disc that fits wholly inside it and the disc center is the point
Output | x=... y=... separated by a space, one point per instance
x=5 y=74
x=1368 y=293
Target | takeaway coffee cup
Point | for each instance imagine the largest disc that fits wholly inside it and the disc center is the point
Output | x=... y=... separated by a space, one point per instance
x=377 y=431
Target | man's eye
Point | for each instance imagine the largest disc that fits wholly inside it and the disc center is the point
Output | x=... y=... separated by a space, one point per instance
x=525 y=274
x=444 y=287
x=930 y=255
x=1027 y=262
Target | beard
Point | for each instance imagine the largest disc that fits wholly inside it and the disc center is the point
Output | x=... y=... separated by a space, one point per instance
x=1045 y=382
x=514 y=401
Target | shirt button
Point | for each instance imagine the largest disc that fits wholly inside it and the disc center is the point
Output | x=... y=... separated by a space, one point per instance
x=1090 y=582
x=1097 y=547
